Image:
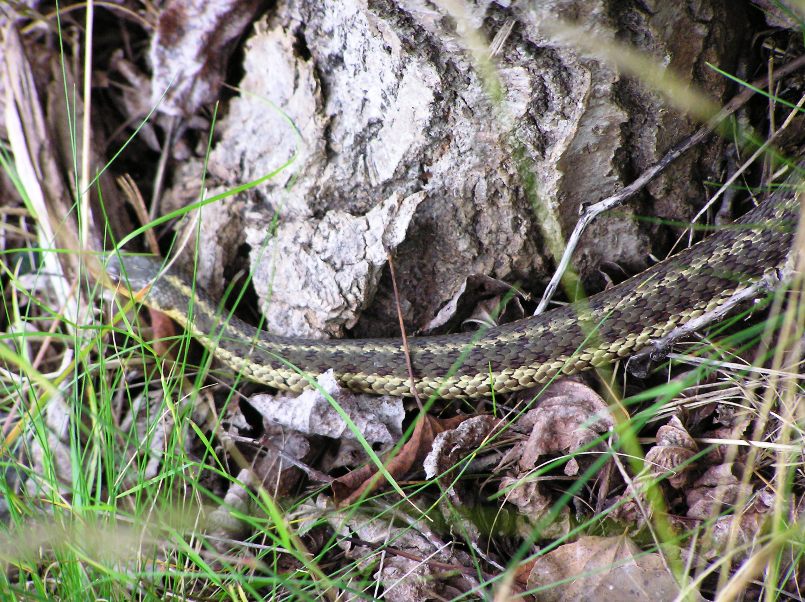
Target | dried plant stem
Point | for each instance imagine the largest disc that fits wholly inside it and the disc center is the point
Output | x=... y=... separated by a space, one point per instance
x=408 y=363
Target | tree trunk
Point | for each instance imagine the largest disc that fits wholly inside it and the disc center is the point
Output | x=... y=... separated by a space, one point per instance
x=406 y=130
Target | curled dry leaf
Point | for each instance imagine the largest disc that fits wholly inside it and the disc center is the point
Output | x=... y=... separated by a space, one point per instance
x=533 y=506
x=734 y=421
x=357 y=483
x=190 y=50
x=526 y=496
x=570 y=416
x=715 y=491
x=450 y=447
x=601 y=569
x=739 y=531
x=415 y=566
x=672 y=453
x=631 y=506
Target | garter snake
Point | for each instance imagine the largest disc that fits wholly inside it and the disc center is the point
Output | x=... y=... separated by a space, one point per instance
x=607 y=326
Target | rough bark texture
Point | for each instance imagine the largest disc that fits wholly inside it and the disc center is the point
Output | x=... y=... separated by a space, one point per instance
x=365 y=100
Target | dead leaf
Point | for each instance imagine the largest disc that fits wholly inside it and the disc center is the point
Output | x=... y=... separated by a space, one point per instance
x=357 y=483
x=674 y=448
x=734 y=425
x=630 y=507
x=601 y=568
x=526 y=495
x=451 y=446
x=415 y=563
x=715 y=491
x=164 y=333
x=570 y=416
x=739 y=532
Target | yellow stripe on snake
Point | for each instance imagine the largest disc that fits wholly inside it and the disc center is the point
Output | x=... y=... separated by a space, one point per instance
x=610 y=325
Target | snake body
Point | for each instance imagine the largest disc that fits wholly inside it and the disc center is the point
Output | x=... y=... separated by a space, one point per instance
x=607 y=326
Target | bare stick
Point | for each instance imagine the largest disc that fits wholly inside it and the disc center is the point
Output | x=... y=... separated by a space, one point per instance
x=659 y=348
x=406 y=351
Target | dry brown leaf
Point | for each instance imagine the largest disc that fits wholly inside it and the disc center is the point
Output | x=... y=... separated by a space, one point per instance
x=735 y=424
x=163 y=331
x=448 y=449
x=362 y=481
x=451 y=446
x=601 y=568
x=415 y=564
x=629 y=506
x=533 y=506
x=715 y=491
x=570 y=415
x=739 y=531
x=527 y=496
x=674 y=448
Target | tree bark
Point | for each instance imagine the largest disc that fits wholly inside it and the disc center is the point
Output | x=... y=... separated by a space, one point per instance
x=403 y=105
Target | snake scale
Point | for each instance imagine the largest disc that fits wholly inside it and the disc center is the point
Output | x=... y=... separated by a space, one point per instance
x=610 y=325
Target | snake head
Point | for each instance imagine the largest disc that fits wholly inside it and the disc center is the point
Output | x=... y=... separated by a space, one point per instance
x=133 y=273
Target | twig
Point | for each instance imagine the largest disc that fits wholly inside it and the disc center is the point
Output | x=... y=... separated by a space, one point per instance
x=796 y=448
x=592 y=211
x=159 y=178
x=406 y=350
x=85 y=220
x=683 y=358
x=658 y=349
